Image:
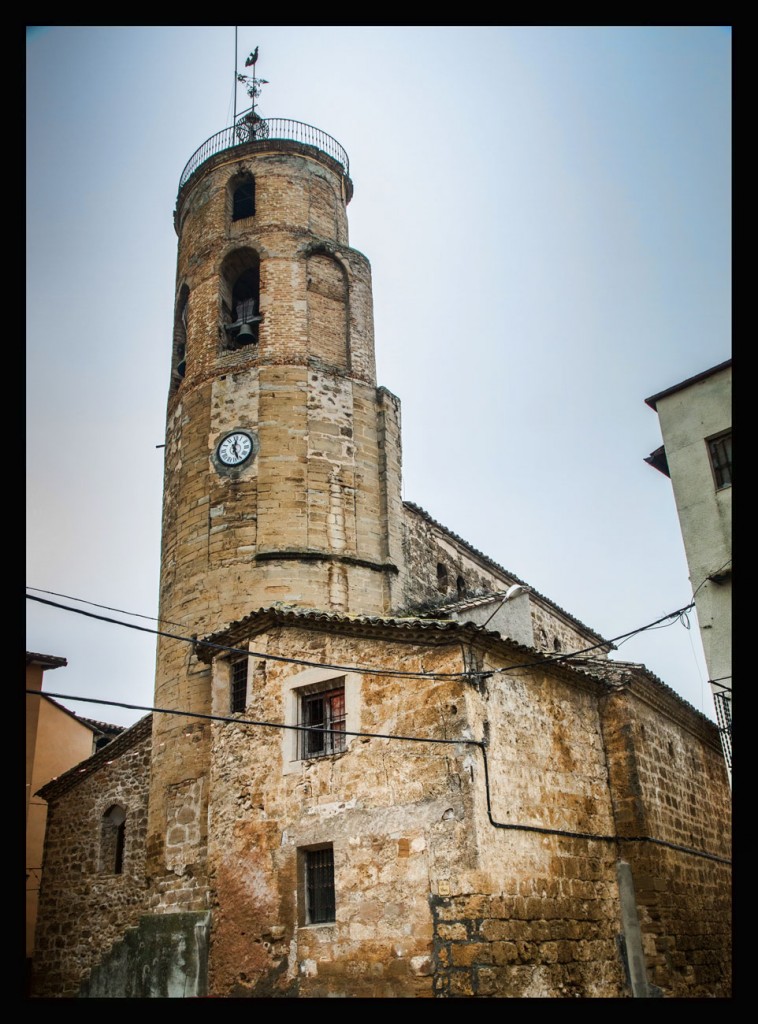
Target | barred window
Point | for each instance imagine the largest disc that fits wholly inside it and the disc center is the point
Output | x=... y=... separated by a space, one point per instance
x=323 y=713
x=319 y=885
x=720 y=449
x=238 y=687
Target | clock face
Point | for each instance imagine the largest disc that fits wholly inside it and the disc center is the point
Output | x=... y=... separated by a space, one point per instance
x=235 y=448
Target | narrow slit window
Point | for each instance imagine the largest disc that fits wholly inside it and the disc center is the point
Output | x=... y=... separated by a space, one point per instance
x=238 y=685
x=441 y=578
x=112 y=840
x=179 y=359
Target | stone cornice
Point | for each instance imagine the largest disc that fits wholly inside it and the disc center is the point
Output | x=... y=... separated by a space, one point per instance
x=324 y=556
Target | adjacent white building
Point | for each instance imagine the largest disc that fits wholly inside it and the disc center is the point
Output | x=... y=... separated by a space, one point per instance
x=696 y=425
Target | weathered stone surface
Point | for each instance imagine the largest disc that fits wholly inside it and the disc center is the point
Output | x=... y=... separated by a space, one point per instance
x=484 y=794
x=84 y=910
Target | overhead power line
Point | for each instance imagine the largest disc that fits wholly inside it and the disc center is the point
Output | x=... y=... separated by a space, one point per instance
x=459 y=741
x=253 y=654
x=547 y=657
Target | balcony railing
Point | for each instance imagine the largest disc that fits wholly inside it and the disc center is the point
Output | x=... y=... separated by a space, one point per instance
x=254 y=129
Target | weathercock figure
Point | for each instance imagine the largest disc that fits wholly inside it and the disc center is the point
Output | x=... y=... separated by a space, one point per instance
x=251 y=125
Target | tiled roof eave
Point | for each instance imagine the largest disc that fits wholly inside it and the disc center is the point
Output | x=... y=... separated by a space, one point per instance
x=433 y=632
x=118 y=746
x=425 y=630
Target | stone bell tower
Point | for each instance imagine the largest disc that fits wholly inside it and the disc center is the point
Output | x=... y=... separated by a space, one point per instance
x=282 y=457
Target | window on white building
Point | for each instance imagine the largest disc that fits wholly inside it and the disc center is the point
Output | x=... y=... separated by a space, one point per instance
x=720 y=451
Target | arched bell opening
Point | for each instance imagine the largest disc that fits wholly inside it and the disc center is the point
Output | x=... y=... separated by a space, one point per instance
x=240 y=298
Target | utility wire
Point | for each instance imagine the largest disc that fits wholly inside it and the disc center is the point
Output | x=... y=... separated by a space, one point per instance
x=710 y=576
x=106 y=607
x=594 y=647
x=248 y=721
x=481 y=745
x=258 y=654
x=547 y=657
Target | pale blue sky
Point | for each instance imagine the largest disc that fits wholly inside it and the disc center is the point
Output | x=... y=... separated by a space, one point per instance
x=547 y=212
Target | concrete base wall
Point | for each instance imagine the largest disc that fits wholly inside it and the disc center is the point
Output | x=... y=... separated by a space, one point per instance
x=165 y=957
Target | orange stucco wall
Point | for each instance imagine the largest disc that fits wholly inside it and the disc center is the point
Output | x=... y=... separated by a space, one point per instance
x=55 y=742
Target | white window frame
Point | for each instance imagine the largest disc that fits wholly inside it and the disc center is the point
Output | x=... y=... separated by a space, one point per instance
x=303 y=684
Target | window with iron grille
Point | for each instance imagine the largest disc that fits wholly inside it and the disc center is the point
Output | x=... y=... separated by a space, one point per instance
x=319 y=885
x=238 y=687
x=720 y=449
x=323 y=713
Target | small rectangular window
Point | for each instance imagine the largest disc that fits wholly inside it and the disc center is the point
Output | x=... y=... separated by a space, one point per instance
x=238 y=687
x=243 y=201
x=319 y=885
x=323 y=713
x=720 y=449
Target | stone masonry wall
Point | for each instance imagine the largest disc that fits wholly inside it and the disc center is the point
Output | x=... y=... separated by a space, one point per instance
x=541 y=917
x=552 y=633
x=424 y=547
x=427 y=545
x=669 y=781
x=433 y=896
x=550 y=936
x=83 y=911
x=432 y=899
x=396 y=814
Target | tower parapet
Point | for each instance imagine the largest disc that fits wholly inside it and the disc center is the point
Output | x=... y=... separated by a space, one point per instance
x=261 y=132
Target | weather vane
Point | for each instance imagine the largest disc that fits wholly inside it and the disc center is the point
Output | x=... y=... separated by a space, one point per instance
x=252 y=126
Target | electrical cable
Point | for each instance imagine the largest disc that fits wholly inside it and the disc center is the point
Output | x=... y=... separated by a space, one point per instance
x=573 y=654
x=248 y=721
x=682 y=617
x=107 y=607
x=353 y=668
x=593 y=837
x=257 y=654
x=710 y=576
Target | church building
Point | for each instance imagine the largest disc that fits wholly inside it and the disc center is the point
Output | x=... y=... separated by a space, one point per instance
x=378 y=764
